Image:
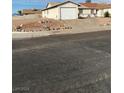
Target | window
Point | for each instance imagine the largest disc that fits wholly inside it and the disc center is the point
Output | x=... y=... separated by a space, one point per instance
x=80 y=10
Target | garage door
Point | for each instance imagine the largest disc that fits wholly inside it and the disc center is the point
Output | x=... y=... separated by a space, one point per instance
x=68 y=13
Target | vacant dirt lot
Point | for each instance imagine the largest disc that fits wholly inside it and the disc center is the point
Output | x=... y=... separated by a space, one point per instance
x=33 y=23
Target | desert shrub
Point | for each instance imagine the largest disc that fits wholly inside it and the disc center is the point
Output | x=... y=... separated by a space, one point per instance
x=35 y=9
x=19 y=12
x=106 y=14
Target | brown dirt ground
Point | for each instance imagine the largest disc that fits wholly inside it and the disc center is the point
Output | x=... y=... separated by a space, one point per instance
x=37 y=23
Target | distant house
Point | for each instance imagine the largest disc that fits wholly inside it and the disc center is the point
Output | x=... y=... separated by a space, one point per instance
x=31 y=11
x=94 y=9
x=61 y=11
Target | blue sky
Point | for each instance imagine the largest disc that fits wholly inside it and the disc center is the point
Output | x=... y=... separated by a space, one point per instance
x=27 y=4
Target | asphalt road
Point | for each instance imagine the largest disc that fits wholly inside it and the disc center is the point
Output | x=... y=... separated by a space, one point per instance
x=79 y=63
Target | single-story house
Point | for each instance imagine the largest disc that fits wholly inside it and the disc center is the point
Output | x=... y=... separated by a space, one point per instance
x=93 y=9
x=61 y=11
x=31 y=11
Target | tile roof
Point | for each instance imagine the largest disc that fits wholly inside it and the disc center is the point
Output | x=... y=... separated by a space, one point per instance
x=96 y=5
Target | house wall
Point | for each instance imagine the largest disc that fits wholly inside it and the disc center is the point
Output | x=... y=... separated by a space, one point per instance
x=43 y=13
x=85 y=12
x=51 y=13
x=100 y=12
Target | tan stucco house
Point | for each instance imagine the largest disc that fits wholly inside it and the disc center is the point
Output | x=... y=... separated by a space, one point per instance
x=31 y=11
x=61 y=11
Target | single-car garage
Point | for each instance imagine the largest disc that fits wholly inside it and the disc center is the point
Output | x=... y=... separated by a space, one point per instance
x=61 y=11
x=68 y=12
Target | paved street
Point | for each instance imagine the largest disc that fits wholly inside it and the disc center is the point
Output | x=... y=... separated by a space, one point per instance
x=79 y=63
